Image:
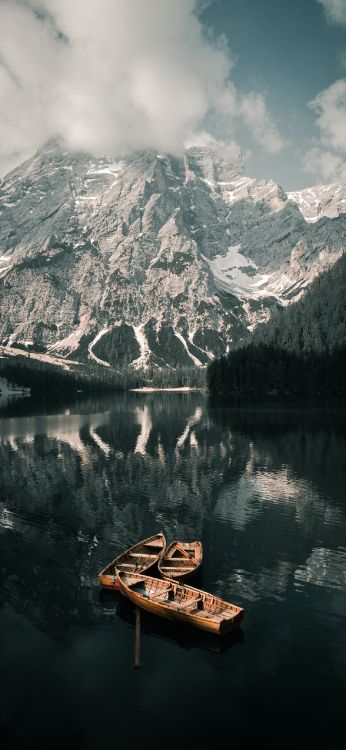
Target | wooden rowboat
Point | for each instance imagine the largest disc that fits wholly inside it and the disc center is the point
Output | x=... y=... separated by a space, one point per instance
x=173 y=601
x=137 y=559
x=181 y=560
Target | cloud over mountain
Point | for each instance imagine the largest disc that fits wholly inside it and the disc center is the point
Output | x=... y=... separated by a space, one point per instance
x=116 y=75
x=327 y=158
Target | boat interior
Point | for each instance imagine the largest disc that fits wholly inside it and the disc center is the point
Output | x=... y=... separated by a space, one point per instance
x=137 y=560
x=181 y=558
x=181 y=552
x=180 y=598
x=174 y=565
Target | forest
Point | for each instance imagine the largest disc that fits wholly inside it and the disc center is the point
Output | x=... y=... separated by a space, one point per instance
x=300 y=351
x=54 y=381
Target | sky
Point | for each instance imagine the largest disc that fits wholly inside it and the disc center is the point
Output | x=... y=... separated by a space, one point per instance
x=113 y=76
x=293 y=52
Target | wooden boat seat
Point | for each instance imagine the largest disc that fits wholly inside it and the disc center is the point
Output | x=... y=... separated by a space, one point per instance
x=179 y=551
x=228 y=615
x=139 y=588
x=171 y=561
x=168 y=568
x=188 y=603
x=221 y=615
x=142 y=554
x=160 y=593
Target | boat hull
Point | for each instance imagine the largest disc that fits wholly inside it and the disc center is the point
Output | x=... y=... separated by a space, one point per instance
x=197 y=621
x=109 y=582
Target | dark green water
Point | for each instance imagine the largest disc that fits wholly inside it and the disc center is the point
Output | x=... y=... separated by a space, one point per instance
x=263 y=489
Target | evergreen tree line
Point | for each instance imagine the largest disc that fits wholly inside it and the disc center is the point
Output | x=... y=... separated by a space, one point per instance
x=300 y=351
x=179 y=377
x=261 y=370
x=54 y=381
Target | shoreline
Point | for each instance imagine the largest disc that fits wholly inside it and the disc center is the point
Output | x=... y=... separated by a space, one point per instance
x=153 y=389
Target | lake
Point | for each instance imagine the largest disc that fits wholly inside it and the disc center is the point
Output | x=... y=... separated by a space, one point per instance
x=263 y=488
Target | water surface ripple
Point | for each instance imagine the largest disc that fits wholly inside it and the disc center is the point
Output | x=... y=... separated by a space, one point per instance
x=265 y=492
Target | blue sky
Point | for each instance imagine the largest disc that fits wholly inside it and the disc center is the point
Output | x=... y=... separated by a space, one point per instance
x=289 y=50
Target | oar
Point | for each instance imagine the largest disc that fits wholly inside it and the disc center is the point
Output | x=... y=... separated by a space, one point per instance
x=137 y=653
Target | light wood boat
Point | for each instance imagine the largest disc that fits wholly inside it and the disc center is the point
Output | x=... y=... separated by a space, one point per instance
x=185 y=604
x=137 y=559
x=181 y=560
x=176 y=632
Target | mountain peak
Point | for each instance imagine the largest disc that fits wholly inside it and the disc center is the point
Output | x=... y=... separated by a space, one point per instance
x=150 y=259
x=214 y=163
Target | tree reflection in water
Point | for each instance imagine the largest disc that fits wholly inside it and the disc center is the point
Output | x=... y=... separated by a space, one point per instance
x=262 y=488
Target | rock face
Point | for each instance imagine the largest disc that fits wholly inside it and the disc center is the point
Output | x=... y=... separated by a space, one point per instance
x=319 y=201
x=151 y=259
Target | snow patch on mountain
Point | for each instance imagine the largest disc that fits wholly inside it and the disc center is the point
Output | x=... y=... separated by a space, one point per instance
x=64 y=363
x=322 y=200
x=93 y=343
x=141 y=339
x=194 y=359
x=235 y=274
x=5 y=266
x=70 y=343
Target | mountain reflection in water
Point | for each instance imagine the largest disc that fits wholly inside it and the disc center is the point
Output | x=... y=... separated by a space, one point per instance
x=265 y=492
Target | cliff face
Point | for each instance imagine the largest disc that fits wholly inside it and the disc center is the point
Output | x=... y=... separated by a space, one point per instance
x=152 y=259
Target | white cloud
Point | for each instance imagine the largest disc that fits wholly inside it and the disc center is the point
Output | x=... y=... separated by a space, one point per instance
x=114 y=75
x=335 y=10
x=327 y=157
x=325 y=166
x=330 y=105
x=258 y=120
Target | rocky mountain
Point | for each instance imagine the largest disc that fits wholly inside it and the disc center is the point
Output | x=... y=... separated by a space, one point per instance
x=317 y=323
x=300 y=352
x=152 y=259
x=323 y=200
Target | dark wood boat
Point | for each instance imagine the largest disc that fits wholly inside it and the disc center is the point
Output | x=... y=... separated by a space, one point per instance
x=185 y=604
x=180 y=560
x=137 y=559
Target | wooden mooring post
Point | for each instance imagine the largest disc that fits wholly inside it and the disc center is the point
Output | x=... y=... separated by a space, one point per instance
x=137 y=653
